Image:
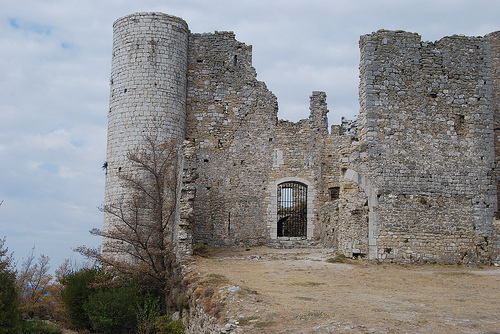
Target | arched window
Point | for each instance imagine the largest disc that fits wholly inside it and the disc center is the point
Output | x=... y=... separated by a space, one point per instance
x=292 y=210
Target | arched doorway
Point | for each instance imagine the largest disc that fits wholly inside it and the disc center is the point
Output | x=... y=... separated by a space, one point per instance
x=292 y=210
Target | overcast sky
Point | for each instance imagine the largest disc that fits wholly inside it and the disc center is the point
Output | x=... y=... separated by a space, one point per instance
x=55 y=58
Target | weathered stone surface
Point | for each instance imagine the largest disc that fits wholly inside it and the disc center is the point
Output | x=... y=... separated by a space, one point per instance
x=414 y=178
x=429 y=136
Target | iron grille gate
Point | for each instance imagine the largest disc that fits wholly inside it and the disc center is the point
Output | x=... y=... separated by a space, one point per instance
x=292 y=210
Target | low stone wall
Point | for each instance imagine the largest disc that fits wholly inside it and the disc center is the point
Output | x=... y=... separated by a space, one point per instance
x=200 y=322
x=425 y=247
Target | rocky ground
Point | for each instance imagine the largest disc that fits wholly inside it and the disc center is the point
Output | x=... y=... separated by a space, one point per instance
x=267 y=290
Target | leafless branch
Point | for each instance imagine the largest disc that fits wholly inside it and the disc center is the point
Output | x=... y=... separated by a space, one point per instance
x=139 y=241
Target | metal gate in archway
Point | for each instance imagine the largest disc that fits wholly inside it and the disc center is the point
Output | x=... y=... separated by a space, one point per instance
x=292 y=209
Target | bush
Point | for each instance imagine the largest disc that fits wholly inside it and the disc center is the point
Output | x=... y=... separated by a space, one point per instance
x=9 y=303
x=76 y=292
x=147 y=315
x=168 y=326
x=113 y=310
x=99 y=302
x=40 y=327
x=9 y=299
x=202 y=249
x=341 y=258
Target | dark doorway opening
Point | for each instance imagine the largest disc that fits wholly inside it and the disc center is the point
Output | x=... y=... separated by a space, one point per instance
x=292 y=209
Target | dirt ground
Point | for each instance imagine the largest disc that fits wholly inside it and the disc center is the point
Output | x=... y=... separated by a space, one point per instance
x=270 y=290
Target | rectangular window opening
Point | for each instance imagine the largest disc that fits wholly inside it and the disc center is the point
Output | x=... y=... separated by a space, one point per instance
x=334 y=193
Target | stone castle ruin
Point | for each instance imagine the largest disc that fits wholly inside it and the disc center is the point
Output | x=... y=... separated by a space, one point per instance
x=413 y=179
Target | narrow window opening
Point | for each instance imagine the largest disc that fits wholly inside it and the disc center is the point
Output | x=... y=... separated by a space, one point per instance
x=235 y=60
x=334 y=193
x=459 y=123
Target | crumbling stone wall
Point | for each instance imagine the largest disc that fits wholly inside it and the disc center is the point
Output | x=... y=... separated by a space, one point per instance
x=297 y=158
x=414 y=178
x=428 y=143
x=231 y=120
x=494 y=39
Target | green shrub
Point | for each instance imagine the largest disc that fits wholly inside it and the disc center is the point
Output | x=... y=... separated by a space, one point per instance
x=147 y=313
x=167 y=326
x=9 y=298
x=98 y=302
x=182 y=301
x=40 y=327
x=9 y=302
x=76 y=292
x=113 y=310
x=202 y=249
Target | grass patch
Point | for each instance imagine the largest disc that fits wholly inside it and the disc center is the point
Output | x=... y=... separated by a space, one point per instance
x=457 y=273
x=246 y=321
x=341 y=258
x=264 y=324
x=309 y=284
x=313 y=315
x=378 y=310
x=216 y=279
x=309 y=299
x=39 y=326
x=202 y=249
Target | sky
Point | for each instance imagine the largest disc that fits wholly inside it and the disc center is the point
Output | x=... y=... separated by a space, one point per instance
x=55 y=60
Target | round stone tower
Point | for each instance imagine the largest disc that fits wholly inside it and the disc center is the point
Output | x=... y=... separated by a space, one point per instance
x=148 y=92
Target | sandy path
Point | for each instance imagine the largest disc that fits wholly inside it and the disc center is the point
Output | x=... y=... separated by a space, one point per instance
x=296 y=291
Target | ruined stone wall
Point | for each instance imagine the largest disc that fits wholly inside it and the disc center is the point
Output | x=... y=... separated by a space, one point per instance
x=298 y=157
x=414 y=178
x=427 y=143
x=330 y=183
x=345 y=216
x=231 y=121
x=494 y=39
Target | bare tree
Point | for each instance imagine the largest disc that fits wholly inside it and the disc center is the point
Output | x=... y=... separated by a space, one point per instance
x=33 y=283
x=140 y=243
x=6 y=259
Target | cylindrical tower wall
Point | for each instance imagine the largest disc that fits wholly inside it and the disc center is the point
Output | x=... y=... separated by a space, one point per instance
x=148 y=91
